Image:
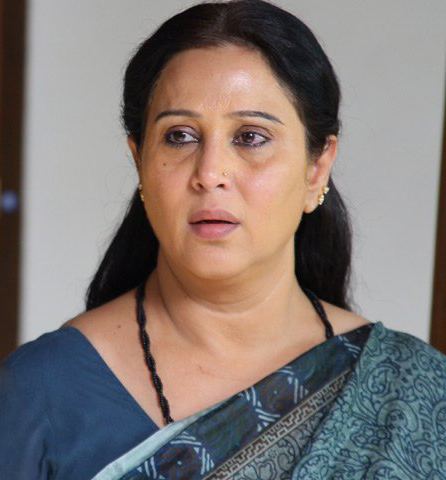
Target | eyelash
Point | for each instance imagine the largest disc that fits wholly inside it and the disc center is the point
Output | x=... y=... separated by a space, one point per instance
x=170 y=143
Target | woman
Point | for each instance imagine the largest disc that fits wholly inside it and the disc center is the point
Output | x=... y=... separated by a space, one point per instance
x=218 y=340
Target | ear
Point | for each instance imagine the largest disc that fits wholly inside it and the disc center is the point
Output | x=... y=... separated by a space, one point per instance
x=318 y=173
x=134 y=149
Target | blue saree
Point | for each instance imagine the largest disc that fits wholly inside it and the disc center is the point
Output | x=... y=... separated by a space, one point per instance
x=368 y=404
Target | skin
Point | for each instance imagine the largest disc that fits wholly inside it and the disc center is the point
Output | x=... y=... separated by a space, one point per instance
x=221 y=314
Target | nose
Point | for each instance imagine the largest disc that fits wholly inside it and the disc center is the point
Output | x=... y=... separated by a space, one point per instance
x=212 y=167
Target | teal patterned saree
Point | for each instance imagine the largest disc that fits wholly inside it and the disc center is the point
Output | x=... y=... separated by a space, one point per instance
x=368 y=404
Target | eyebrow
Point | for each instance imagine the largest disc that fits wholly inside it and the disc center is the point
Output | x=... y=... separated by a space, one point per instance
x=238 y=113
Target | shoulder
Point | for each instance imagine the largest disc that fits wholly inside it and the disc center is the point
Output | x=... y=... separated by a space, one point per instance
x=384 y=339
x=108 y=324
x=404 y=345
x=32 y=354
x=40 y=367
x=27 y=373
x=343 y=320
x=387 y=345
x=404 y=361
x=58 y=350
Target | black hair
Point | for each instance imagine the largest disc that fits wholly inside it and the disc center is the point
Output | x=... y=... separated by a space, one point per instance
x=323 y=239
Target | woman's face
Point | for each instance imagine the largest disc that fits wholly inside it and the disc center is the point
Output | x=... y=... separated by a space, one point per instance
x=183 y=156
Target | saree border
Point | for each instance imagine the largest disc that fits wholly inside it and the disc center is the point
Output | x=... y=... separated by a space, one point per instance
x=134 y=457
x=280 y=429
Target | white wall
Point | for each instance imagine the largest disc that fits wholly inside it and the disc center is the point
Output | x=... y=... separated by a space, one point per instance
x=390 y=59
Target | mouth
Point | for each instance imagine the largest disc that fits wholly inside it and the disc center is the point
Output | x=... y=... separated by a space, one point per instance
x=213 y=216
x=213 y=229
x=213 y=221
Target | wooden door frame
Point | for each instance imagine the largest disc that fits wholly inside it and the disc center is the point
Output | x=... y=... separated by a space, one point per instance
x=12 y=56
x=438 y=315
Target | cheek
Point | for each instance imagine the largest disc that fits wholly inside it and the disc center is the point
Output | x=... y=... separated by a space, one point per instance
x=165 y=202
x=276 y=197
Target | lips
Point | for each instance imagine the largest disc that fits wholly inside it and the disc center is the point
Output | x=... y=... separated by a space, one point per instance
x=213 y=230
x=213 y=216
x=213 y=221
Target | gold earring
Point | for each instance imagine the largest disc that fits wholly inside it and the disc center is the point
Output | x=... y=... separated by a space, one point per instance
x=225 y=173
x=322 y=195
x=141 y=195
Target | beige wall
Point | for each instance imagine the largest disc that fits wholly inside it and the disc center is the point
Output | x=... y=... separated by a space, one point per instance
x=390 y=58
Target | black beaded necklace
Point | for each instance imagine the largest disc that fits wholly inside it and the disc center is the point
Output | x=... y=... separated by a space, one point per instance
x=150 y=361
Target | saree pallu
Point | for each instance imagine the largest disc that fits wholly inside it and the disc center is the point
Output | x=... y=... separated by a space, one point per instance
x=368 y=404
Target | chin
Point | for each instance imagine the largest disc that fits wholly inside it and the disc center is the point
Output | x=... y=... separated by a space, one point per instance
x=217 y=267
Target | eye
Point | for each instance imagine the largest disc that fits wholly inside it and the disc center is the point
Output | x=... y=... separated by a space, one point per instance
x=250 y=137
x=174 y=138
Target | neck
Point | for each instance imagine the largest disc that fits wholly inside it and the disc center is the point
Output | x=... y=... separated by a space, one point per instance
x=255 y=312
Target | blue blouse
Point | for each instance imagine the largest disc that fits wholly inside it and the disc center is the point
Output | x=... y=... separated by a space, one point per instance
x=59 y=402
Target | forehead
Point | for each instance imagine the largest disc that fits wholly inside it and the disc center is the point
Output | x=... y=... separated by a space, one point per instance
x=220 y=78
